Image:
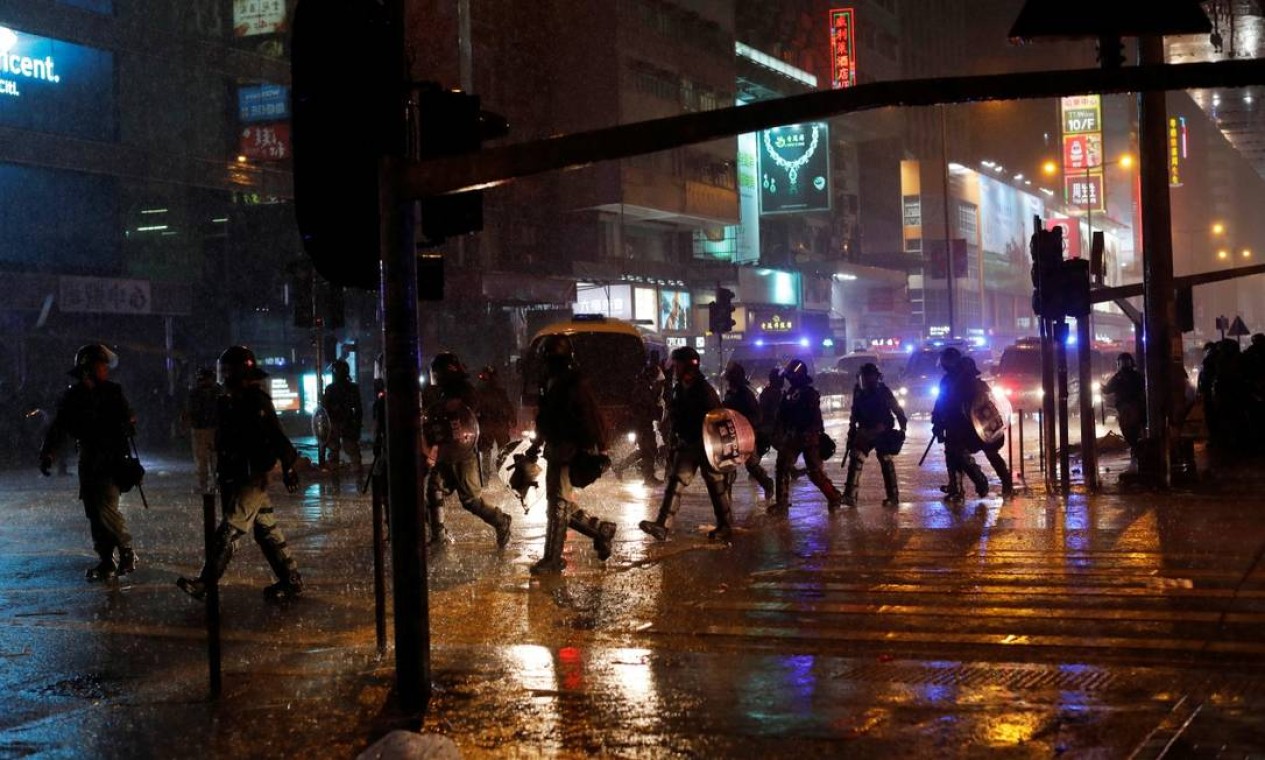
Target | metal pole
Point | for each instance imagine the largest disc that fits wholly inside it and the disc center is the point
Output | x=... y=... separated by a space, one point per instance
x=318 y=331
x=209 y=524
x=1023 y=477
x=1163 y=344
x=1041 y=465
x=465 y=57
x=169 y=358
x=1089 y=431
x=1065 y=454
x=948 y=252
x=379 y=563
x=404 y=468
x=1010 y=447
x=1048 y=405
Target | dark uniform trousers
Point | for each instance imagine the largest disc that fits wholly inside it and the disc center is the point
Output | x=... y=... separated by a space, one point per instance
x=685 y=461
x=808 y=445
x=460 y=475
x=100 y=498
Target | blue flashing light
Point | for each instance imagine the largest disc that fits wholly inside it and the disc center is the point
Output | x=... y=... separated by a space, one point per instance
x=935 y=391
x=909 y=348
x=1071 y=339
x=803 y=342
x=759 y=342
x=828 y=343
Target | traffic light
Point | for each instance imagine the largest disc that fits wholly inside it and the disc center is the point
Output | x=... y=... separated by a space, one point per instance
x=1046 y=248
x=348 y=77
x=721 y=312
x=1074 y=288
x=450 y=123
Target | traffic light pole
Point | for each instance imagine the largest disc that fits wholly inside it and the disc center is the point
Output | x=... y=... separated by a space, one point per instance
x=404 y=466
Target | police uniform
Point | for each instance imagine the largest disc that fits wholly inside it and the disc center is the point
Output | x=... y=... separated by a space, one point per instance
x=497 y=417
x=647 y=408
x=568 y=422
x=346 y=418
x=875 y=413
x=742 y=399
x=203 y=420
x=95 y=413
x=1128 y=390
x=799 y=430
x=950 y=424
x=970 y=387
x=249 y=443
x=692 y=398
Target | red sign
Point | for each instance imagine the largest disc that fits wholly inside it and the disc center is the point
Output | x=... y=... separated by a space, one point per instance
x=1081 y=152
x=265 y=142
x=843 y=58
x=1071 y=235
x=1085 y=191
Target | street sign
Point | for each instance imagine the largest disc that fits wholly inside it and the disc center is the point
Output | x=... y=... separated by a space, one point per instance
x=1238 y=329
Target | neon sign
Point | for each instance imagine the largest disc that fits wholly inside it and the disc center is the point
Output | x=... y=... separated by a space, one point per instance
x=843 y=61
x=776 y=324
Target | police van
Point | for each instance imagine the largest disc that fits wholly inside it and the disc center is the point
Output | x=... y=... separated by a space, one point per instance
x=610 y=352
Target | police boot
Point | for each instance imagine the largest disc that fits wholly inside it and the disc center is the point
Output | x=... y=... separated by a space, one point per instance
x=289 y=583
x=601 y=531
x=888 y=466
x=499 y=520
x=762 y=477
x=222 y=546
x=127 y=560
x=658 y=528
x=977 y=476
x=555 y=540
x=782 y=496
x=852 y=484
x=722 y=505
x=439 y=535
x=104 y=570
x=834 y=499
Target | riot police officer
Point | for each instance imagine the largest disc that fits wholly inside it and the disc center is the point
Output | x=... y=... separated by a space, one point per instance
x=875 y=414
x=951 y=426
x=971 y=388
x=1128 y=391
x=692 y=398
x=799 y=431
x=346 y=417
x=248 y=444
x=450 y=398
x=201 y=410
x=646 y=405
x=740 y=397
x=94 y=412
x=568 y=425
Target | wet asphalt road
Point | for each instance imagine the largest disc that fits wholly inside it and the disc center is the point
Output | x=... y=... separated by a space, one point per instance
x=1114 y=626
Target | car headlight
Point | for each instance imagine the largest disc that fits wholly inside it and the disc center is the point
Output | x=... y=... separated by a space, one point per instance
x=1040 y=392
x=903 y=391
x=1097 y=398
x=632 y=437
x=1097 y=386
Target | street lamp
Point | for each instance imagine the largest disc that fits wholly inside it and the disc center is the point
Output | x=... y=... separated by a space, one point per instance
x=1218 y=228
x=1050 y=168
x=1223 y=254
x=1247 y=253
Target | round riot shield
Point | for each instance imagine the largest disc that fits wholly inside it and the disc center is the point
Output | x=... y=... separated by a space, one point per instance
x=524 y=477
x=452 y=426
x=728 y=439
x=321 y=426
x=990 y=413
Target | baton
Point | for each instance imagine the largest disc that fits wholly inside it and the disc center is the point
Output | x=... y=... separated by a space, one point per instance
x=928 y=450
x=139 y=489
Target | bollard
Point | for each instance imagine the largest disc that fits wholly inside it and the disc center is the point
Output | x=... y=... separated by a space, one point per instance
x=379 y=564
x=1010 y=447
x=212 y=596
x=1041 y=439
x=1022 y=476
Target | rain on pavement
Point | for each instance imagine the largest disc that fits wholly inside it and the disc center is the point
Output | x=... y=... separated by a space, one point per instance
x=1102 y=626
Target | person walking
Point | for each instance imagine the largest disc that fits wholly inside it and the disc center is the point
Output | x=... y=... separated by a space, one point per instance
x=740 y=397
x=798 y=432
x=692 y=398
x=951 y=426
x=1127 y=388
x=96 y=414
x=498 y=418
x=872 y=427
x=249 y=443
x=341 y=400
x=568 y=426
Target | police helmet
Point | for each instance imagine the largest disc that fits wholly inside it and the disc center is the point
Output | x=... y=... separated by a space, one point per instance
x=967 y=365
x=556 y=352
x=796 y=372
x=93 y=353
x=1125 y=361
x=686 y=355
x=445 y=367
x=950 y=358
x=238 y=364
x=775 y=375
x=340 y=369
x=870 y=369
x=736 y=374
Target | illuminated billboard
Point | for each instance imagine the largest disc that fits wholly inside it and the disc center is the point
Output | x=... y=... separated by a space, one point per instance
x=254 y=17
x=674 y=310
x=1082 y=152
x=47 y=85
x=265 y=142
x=795 y=168
x=843 y=58
x=262 y=102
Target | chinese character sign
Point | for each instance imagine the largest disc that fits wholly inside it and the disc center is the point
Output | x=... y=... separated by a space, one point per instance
x=794 y=168
x=843 y=62
x=263 y=102
x=265 y=142
x=1085 y=192
x=1082 y=152
x=253 y=17
x=1176 y=149
x=100 y=295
